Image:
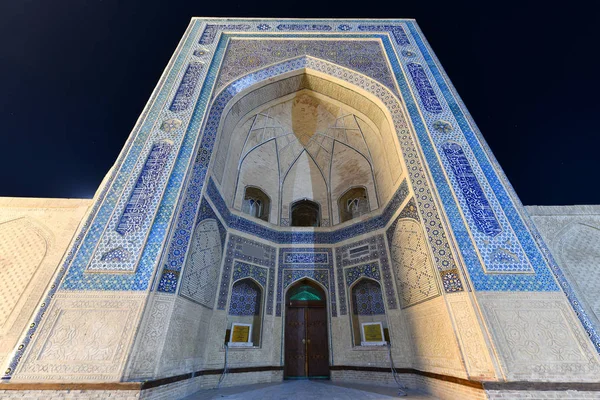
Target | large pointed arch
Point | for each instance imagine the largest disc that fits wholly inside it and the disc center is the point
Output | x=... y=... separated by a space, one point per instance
x=385 y=109
x=373 y=114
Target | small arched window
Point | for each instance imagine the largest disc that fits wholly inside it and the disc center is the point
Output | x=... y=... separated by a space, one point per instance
x=353 y=204
x=245 y=307
x=256 y=203
x=367 y=307
x=306 y=213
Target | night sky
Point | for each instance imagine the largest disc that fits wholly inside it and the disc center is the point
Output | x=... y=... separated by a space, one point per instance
x=76 y=75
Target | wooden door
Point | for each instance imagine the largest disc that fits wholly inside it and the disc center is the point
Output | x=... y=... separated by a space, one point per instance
x=317 y=342
x=295 y=349
x=306 y=343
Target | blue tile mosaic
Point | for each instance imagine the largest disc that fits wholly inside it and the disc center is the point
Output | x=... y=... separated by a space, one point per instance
x=512 y=241
x=416 y=172
x=206 y=212
x=376 y=255
x=467 y=181
x=410 y=210
x=426 y=92
x=145 y=189
x=367 y=298
x=245 y=298
x=303 y=27
x=493 y=182
x=306 y=258
x=244 y=270
x=247 y=252
x=396 y=30
x=443 y=126
x=370 y=270
x=185 y=92
x=365 y=56
x=208 y=36
x=509 y=200
x=114 y=193
x=103 y=207
x=118 y=254
x=290 y=236
x=288 y=273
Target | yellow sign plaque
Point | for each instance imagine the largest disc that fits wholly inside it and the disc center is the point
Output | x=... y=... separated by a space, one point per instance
x=373 y=332
x=240 y=333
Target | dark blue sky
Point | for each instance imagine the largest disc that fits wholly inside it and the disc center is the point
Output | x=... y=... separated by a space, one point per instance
x=77 y=74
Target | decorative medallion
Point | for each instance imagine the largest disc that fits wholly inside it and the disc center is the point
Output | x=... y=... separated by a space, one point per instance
x=442 y=126
x=170 y=125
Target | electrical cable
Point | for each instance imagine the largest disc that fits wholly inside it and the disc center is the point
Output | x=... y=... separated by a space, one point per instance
x=401 y=387
x=222 y=378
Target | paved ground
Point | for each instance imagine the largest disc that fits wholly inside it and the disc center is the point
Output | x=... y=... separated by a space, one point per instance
x=306 y=390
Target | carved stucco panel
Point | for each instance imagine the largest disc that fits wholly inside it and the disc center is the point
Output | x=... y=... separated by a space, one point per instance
x=84 y=337
x=577 y=249
x=151 y=337
x=186 y=338
x=538 y=337
x=470 y=337
x=434 y=341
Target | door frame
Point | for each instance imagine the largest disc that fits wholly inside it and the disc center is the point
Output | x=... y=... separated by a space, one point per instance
x=284 y=316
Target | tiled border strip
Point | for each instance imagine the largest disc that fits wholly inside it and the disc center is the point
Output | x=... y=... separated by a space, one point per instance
x=476 y=137
x=178 y=57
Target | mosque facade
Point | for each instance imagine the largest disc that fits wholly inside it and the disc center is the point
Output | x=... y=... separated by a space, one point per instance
x=300 y=199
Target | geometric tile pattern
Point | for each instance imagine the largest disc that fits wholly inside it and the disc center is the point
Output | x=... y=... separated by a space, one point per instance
x=203 y=264
x=145 y=188
x=209 y=33
x=185 y=93
x=244 y=270
x=141 y=203
x=306 y=258
x=302 y=27
x=416 y=171
x=193 y=155
x=370 y=270
x=396 y=30
x=176 y=257
x=286 y=236
x=363 y=257
x=206 y=212
x=478 y=205
x=414 y=270
x=409 y=211
x=118 y=186
x=245 y=298
x=500 y=259
x=514 y=241
x=290 y=272
x=535 y=284
x=367 y=298
x=426 y=92
x=239 y=255
x=244 y=56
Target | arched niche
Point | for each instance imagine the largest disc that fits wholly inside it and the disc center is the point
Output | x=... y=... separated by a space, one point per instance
x=306 y=337
x=353 y=203
x=256 y=203
x=202 y=265
x=23 y=249
x=305 y=213
x=413 y=267
x=367 y=306
x=246 y=306
x=258 y=123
